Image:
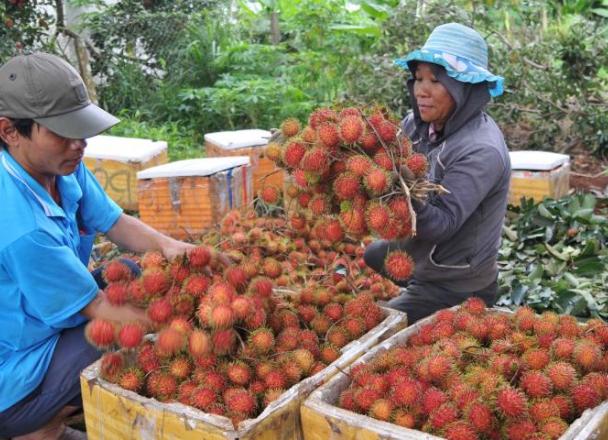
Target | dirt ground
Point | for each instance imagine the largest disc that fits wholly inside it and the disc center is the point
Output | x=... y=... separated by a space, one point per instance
x=589 y=173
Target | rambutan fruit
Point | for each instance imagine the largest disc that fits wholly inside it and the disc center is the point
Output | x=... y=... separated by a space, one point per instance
x=358 y=165
x=381 y=409
x=203 y=397
x=262 y=340
x=460 y=430
x=239 y=373
x=352 y=128
x=398 y=265
x=511 y=402
x=475 y=306
x=418 y=164
x=199 y=343
x=377 y=215
x=271 y=267
x=315 y=160
x=518 y=428
x=116 y=271
x=224 y=341
x=153 y=258
x=405 y=418
x=196 y=285
x=275 y=379
x=131 y=379
x=112 y=363
x=236 y=276
x=147 y=357
x=320 y=115
x=261 y=286
x=584 y=396
x=334 y=231
x=273 y=151
x=290 y=127
x=328 y=353
x=155 y=281
x=346 y=185
x=337 y=336
x=387 y=131
x=178 y=271
x=438 y=367
x=536 y=384
x=377 y=181
x=587 y=354
x=562 y=375
x=180 y=367
x=293 y=154
x=353 y=221
x=370 y=142
x=255 y=320
x=536 y=359
x=554 y=427
x=117 y=293
x=241 y=401
x=443 y=416
x=270 y=195
x=100 y=333
x=221 y=292
x=170 y=342
x=565 y=405
x=130 y=335
x=365 y=398
x=328 y=134
x=309 y=135
x=199 y=257
x=160 y=310
x=408 y=392
x=164 y=385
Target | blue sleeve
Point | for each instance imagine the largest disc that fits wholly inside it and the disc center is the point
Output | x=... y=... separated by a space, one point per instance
x=54 y=283
x=99 y=212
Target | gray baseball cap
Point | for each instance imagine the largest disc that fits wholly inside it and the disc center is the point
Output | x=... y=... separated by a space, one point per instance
x=45 y=88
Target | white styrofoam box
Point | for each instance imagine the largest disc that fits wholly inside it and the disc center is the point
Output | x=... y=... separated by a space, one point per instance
x=194 y=167
x=123 y=149
x=537 y=160
x=232 y=140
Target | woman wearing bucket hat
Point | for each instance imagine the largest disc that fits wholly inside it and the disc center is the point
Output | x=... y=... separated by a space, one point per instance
x=52 y=210
x=458 y=233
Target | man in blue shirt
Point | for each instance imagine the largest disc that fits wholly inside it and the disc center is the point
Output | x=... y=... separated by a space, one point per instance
x=52 y=209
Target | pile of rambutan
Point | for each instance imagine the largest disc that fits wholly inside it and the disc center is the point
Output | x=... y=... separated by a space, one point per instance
x=227 y=342
x=476 y=373
x=353 y=174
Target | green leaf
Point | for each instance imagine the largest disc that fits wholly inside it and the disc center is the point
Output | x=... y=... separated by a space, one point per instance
x=543 y=211
x=589 y=267
x=518 y=294
x=586 y=294
x=555 y=253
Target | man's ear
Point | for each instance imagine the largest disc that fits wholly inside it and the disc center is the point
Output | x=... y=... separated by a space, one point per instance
x=8 y=132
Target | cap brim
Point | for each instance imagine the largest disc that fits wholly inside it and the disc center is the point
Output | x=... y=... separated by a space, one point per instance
x=83 y=123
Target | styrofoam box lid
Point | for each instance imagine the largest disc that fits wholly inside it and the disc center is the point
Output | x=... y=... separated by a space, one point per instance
x=231 y=140
x=123 y=149
x=194 y=167
x=537 y=160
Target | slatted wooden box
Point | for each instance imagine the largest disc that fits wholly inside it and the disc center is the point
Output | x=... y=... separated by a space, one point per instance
x=188 y=197
x=322 y=419
x=112 y=413
x=247 y=143
x=115 y=161
x=538 y=174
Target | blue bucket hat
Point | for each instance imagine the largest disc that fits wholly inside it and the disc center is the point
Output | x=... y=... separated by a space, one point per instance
x=461 y=51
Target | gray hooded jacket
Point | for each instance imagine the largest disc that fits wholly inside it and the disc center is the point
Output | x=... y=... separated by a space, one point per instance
x=458 y=234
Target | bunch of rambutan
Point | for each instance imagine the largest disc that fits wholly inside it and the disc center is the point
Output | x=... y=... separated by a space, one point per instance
x=227 y=343
x=476 y=373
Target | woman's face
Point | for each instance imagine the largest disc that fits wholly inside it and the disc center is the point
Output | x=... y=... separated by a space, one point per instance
x=434 y=101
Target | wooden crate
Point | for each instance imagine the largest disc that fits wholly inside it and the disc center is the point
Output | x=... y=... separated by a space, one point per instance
x=115 y=161
x=322 y=420
x=247 y=143
x=186 y=198
x=114 y=413
x=538 y=174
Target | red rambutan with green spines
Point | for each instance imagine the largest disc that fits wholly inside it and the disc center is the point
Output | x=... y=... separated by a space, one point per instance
x=131 y=379
x=101 y=333
x=199 y=343
x=316 y=160
x=304 y=358
x=525 y=318
x=290 y=127
x=155 y=281
x=203 y=397
x=162 y=385
x=432 y=399
x=370 y=142
x=255 y=320
x=309 y=337
x=111 y=365
x=262 y=340
x=542 y=409
x=147 y=357
x=536 y=384
x=320 y=324
x=352 y=129
x=511 y=403
x=183 y=305
x=309 y=135
x=152 y=258
x=271 y=395
x=271 y=267
x=408 y=392
x=199 y=257
x=358 y=164
x=478 y=329
x=329 y=353
x=584 y=396
x=475 y=306
x=320 y=115
x=536 y=359
x=180 y=367
x=221 y=292
x=377 y=181
x=239 y=373
x=241 y=401
x=418 y=164
x=353 y=220
x=334 y=311
x=304 y=199
x=383 y=160
x=130 y=335
x=170 y=342
x=328 y=135
x=261 y=286
x=181 y=324
x=443 y=416
x=398 y=265
x=365 y=398
x=355 y=326
x=517 y=429
x=275 y=379
x=405 y=418
x=554 y=427
x=160 y=310
x=224 y=341
x=568 y=327
x=185 y=390
x=387 y=131
x=438 y=367
x=377 y=215
x=346 y=400
x=300 y=178
x=565 y=405
x=346 y=185
x=381 y=409
x=270 y=195
x=273 y=151
x=242 y=306
x=237 y=277
x=562 y=374
x=334 y=231
x=178 y=270
x=598 y=381
x=545 y=326
x=196 y=285
x=587 y=355
x=117 y=293
x=116 y=271
x=337 y=336
x=136 y=294
x=287 y=340
x=460 y=430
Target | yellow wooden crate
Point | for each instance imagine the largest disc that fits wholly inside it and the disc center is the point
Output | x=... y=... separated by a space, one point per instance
x=115 y=161
x=538 y=174
x=112 y=413
x=186 y=198
x=322 y=420
x=247 y=143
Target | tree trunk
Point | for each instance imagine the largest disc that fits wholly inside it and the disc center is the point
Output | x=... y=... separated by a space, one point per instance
x=420 y=8
x=275 y=33
x=85 y=68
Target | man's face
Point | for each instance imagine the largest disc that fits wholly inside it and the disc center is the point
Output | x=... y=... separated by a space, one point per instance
x=46 y=154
